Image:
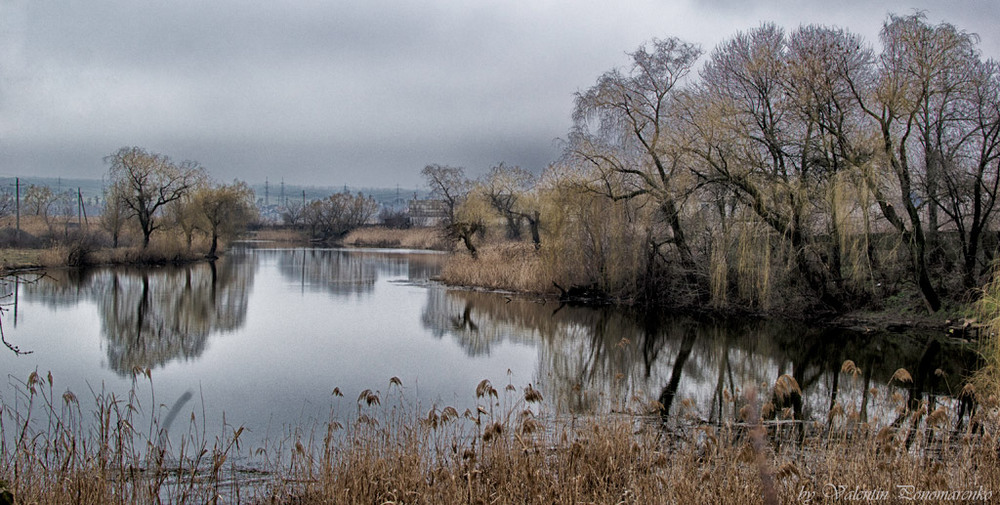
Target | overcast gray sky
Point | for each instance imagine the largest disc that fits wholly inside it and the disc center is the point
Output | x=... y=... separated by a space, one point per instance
x=357 y=92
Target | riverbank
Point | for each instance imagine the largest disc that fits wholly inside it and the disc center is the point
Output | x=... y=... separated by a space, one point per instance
x=367 y=236
x=170 y=248
x=380 y=445
x=508 y=451
x=76 y=255
x=512 y=267
x=517 y=267
x=37 y=242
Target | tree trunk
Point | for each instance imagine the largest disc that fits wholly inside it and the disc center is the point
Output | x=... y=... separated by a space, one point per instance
x=533 y=225
x=215 y=244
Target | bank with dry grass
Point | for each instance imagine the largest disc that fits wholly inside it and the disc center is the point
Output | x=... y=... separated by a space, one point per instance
x=510 y=450
x=505 y=266
x=400 y=238
x=53 y=243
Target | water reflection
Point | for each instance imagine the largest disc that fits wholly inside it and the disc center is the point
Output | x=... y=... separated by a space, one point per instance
x=600 y=360
x=354 y=318
x=152 y=316
x=343 y=272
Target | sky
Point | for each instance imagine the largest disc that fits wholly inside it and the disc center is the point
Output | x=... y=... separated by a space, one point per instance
x=362 y=93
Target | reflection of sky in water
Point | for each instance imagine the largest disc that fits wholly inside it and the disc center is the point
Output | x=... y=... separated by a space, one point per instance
x=278 y=330
x=295 y=345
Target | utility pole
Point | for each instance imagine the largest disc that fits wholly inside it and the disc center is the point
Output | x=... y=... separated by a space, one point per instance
x=266 y=201
x=283 y=200
x=17 y=206
x=83 y=207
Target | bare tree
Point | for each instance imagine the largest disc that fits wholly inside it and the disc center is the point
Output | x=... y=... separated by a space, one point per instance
x=7 y=203
x=114 y=216
x=505 y=187
x=451 y=187
x=627 y=148
x=226 y=210
x=971 y=175
x=38 y=201
x=774 y=122
x=146 y=182
x=910 y=100
x=338 y=214
x=293 y=213
x=184 y=214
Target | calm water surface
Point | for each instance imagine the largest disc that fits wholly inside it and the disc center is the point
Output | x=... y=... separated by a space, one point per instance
x=265 y=335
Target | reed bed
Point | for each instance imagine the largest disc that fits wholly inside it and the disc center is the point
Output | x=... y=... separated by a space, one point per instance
x=60 y=242
x=380 y=448
x=409 y=238
x=508 y=266
x=275 y=234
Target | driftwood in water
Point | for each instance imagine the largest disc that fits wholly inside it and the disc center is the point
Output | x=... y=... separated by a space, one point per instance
x=585 y=295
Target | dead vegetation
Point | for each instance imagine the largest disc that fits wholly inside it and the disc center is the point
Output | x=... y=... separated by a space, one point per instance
x=504 y=449
x=513 y=266
x=60 y=241
x=402 y=238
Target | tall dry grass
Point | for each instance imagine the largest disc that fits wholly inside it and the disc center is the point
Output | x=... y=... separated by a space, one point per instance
x=508 y=449
x=59 y=241
x=115 y=450
x=275 y=234
x=409 y=238
x=509 y=266
x=986 y=381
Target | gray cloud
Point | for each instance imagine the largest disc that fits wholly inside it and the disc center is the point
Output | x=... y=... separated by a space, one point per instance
x=342 y=92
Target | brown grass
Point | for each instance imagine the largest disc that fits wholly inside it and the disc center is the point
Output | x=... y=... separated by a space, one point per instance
x=22 y=258
x=507 y=451
x=54 y=244
x=279 y=235
x=411 y=238
x=510 y=266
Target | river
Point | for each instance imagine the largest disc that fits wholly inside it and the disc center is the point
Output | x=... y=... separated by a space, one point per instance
x=264 y=336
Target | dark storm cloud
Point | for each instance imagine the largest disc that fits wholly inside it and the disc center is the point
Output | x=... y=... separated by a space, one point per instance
x=334 y=92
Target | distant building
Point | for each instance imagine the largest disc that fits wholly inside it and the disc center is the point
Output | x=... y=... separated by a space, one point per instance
x=424 y=213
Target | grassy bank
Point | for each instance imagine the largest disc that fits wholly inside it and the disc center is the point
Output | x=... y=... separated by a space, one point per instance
x=59 y=242
x=510 y=266
x=367 y=236
x=519 y=267
x=381 y=449
x=409 y=238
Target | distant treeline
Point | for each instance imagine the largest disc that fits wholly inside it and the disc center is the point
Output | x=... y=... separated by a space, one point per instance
x=267 y=193
x=796 y=170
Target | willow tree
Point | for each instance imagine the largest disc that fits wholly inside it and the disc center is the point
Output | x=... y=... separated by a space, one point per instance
x=913 y=99
x=226 y=210
x=952 y=104
x=971 y=180
x=113 y=216
x=774 y=123
x=620 y=134
x=338 y=214
x=451 y=187
x=146 y=182
x=509 y=191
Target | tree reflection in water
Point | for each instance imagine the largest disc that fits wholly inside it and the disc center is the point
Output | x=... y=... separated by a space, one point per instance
x=343 y=272
x=150 y=316
x=597 y=360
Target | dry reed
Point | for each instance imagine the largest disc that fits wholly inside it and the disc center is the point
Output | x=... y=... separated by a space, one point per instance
x=507 y=449
x=511 y=266
x=410 y=238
